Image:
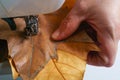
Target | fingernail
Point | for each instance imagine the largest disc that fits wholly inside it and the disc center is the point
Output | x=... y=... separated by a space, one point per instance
x=55 y=35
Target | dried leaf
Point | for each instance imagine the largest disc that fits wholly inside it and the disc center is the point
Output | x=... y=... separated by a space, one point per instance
x=40 y=58
x=14 y=72
x=67 y=67
x=70 y=64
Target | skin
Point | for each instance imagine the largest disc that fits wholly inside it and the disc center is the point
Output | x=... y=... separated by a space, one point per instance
x=104 y=17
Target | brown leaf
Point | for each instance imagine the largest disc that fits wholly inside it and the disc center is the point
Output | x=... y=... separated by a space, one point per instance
x=25 y=52
x=70 y=64
x=36 y=57
x=67 y=67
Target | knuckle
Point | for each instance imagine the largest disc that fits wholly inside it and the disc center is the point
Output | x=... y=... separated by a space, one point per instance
x=109 y=64
x=81 y=6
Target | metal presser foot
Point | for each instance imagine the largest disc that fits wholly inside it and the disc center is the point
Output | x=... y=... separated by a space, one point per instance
x=31 y=24
x=31 y=28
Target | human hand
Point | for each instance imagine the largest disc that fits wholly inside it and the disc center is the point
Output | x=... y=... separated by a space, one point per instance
x=104 y=17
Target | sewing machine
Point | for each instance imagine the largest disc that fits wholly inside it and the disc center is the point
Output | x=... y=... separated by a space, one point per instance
x=15 y=8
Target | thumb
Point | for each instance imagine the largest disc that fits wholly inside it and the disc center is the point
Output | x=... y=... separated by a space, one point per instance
x=68 y=25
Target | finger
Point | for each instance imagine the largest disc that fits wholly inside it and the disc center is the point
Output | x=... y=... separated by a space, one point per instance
x=106 y=55
x=68 y=25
